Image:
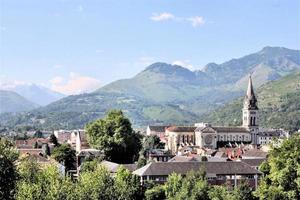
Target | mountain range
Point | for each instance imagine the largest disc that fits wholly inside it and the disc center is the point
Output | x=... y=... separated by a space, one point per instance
x=13 y=102
x=37 y=94
x=164 y=93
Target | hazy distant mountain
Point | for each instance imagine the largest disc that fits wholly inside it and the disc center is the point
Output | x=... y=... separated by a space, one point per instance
x=164 y=93
x=13 y=102
x=36 y=93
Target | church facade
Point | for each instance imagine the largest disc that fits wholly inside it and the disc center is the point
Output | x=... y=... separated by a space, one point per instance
x=204 y=135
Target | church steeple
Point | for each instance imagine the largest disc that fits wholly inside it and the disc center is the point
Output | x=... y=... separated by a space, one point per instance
x=250 y=98
x=250 y=111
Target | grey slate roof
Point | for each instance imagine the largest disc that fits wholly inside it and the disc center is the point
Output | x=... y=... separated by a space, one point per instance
x=218 y=168
x=113 y=167
x=181 y=128
x=255 y=153
x=223 y=129
x=254 y=162
x=158 y=128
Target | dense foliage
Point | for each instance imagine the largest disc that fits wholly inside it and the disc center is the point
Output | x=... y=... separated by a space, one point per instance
x=115 y=137
x=282 y=172
x=66 y=155
x=8 y=174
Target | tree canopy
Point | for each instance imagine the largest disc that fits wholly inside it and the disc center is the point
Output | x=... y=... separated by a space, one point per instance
x=8 y=174
x=282 y=171
x=115 y=137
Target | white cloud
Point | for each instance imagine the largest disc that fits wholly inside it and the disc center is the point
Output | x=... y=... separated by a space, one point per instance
x=74 y=84
x=162 y=16
x=11 y=85
x=166 y=16
x=184 y=63
x=196 y=21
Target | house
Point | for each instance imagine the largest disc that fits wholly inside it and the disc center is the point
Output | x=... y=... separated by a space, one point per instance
x=78 y=140
x=217 y=173
x=254 y=154
x=87 y=153
x=63 y=136
x=113 y=167
x=158 y=131
x=255 y=163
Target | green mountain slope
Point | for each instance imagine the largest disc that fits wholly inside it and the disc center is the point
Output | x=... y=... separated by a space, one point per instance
x=164 y=93
x=279 y=105
x=13 y=102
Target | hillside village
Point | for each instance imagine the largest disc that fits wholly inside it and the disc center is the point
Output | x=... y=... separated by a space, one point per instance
x=228 y=154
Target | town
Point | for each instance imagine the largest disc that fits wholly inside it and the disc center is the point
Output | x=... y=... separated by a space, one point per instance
x=229 y=156
x=149 y=100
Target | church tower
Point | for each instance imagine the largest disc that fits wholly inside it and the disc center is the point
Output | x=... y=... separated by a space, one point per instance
x=250 y=112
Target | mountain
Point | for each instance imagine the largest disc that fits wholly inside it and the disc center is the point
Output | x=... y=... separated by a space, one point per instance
x=279 y=105
x=166 y=94
x=13 y=102
x=35 y=93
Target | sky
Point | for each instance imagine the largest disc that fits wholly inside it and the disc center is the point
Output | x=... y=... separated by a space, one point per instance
x=74 y=46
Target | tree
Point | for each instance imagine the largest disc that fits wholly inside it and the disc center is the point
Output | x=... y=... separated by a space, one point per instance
x=8 y=173
x=155 y=193
x=282 y=171
x=47 y=184
x=127 y=185
x=89 y=165
x=66 y=155
x=173 y=185
x=220 y=193
x=194 y=186
x=53 y=140
x=243 y=192
x=115 y=137
x=35 y=145
x=94 y=185
x=38 y=134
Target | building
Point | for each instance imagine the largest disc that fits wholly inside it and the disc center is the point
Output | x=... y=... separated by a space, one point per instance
x=217 y=173
x=159 y=131
x=206 y=136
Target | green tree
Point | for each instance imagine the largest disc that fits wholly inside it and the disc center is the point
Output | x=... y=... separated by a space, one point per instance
x=38 y=134
x=95 y=185
x=89 y=165
x=173 y=185
x=66 y=155
x=53 y=140
x=243 y=192
x=47 y=184
x=115 y=137
x=127 y=185
x=282 y=178
x=220 y=193
x=8 y=173
x=194 y=186
x=155 y=193
x=35 y=145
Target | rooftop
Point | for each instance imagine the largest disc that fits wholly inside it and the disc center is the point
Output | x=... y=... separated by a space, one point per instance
x=218 y=168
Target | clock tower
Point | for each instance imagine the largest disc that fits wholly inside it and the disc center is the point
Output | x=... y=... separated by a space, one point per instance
x=250 y=112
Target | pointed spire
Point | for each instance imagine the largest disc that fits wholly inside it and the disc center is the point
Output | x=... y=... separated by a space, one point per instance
x=250 y=99
x=250 y=91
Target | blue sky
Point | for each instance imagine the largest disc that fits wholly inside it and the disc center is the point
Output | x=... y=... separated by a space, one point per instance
x=73 y=46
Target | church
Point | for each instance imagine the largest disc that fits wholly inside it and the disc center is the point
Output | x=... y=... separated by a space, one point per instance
x=204 y=135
